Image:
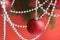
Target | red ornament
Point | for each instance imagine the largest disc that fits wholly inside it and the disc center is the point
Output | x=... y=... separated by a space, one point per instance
x=35 y=26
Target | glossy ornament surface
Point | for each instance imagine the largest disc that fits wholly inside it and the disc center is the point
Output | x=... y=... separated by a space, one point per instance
x=35 y=27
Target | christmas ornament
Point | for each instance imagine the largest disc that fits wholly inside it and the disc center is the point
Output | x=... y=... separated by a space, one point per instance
x=35 y=26
x=33 y=23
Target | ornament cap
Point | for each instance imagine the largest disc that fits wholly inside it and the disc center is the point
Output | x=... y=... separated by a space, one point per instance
x=36 y=18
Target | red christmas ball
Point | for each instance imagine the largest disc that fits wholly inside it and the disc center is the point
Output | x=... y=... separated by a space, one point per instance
x=35 y=27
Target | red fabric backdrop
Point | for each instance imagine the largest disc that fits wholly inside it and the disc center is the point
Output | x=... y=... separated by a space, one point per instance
x=47 y=35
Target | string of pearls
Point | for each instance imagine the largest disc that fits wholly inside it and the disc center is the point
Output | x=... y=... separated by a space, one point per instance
x=45 y=11
x=51 y=14
x=41 y=16
x=35 y=9
x=23 y=26
x=38 y=35
x=30 y=10
x=20 y=36
x=4 y=27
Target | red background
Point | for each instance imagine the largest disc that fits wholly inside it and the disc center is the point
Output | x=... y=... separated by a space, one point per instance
x=47 y=35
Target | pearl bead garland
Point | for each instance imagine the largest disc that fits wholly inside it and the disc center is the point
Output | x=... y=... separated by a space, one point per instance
x=51 y=14
x=22 y=12
x=12 y=24
x=4 y=27
x=45 y=11
x=30 y=10
x=40 y=17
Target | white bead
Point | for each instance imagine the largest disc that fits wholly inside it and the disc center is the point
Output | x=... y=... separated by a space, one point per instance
x=43 y=2
x=16 y=12
x=36 y=18
x=29 y=10
x=43 y=15
x=24 y=11
x=41 y=7
x=56 y=1
x=19 y=12
x=15 y=24
x=25 y=25
x=52 y=4
x=3 y=6
x=51 y=13
x=57 y=15
x=8 y=18
x=36 y=7
x=21 y=26
x=32 y=10
x=47 y=8
x=18 y=26
x=45 y=27
x=13 y=11
x=51 y=1
x=40 y=17
x=38 y=2
x=53 y=7
x=48 y=13
x=54 y=15
x=49 y=20
x=2 y=2
x=10 y=10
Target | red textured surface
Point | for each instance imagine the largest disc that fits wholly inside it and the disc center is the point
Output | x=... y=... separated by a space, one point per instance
x=47 y=35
